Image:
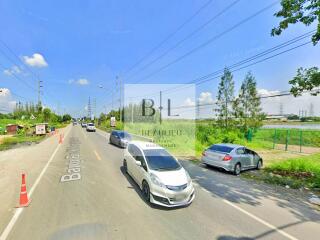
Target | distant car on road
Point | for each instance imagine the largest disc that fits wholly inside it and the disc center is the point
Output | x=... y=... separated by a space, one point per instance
x=119 y=138
x=74 y=123
x=83 y=124
x=231 y=157
x=160 y=176
x=91 y=127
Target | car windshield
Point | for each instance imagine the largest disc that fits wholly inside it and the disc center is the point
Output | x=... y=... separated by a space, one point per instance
x=124 y=135
x=90 y=124
x=161 y=160
x=221 y=148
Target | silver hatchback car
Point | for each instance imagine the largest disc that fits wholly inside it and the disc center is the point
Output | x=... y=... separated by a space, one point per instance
x=231 y=157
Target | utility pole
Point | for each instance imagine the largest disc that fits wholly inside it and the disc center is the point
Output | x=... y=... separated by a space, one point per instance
x=197 y=109
x=160 y=108
x=94 y=112
x=119 y=83
x=89 y=108
x=281 y=109
x=311 y=110
x=39 y=93
x=131 y=113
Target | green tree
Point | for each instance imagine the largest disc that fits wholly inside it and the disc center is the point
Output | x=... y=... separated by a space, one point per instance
x=247 y=106
x=303 y=11
x=66 y=118
x=224 y=100
x=102 y=118
x=306 y=79
x=46 y=114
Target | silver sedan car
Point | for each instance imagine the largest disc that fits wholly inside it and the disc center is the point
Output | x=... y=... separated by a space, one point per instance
x=231 y=157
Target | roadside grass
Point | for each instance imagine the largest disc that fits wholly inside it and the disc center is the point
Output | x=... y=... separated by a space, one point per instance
x=285 y=168
x=11 y=142
x=303 y=171
x=199 y=135
x=28 y=123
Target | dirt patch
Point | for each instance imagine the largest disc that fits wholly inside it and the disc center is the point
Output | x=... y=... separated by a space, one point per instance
x=297 y=149
x=275 y=155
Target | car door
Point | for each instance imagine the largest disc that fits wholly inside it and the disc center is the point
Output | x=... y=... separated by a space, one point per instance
x=250 y=157
x=140 y=170
x=242 y=157
x=136 y=157
x=112 y=137
x=131 y=161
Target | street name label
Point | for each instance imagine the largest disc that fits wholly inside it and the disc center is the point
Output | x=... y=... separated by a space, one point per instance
x=74 y=164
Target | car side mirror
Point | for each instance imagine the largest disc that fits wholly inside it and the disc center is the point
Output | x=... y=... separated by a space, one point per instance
x=138 y=163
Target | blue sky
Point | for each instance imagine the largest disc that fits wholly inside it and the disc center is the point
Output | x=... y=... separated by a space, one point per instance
x=94 y=41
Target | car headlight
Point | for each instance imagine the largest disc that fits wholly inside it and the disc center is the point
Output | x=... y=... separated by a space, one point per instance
x=156 y=180
x=188 y=178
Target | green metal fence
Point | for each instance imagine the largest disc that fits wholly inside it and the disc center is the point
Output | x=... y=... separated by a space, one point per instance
x=295 y=140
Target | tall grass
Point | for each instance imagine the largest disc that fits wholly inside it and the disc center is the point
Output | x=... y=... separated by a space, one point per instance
x=304 y=169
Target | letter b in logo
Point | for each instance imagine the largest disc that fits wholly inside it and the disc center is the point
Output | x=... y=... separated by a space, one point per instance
x=148 y=104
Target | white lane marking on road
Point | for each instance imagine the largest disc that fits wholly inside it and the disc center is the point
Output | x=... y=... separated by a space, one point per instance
x=97 y=155
x=283 y=233
x=18 y=212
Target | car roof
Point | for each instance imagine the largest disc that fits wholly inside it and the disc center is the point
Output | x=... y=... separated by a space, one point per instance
x=229 y=145
x=146 y=145
x=119 y=131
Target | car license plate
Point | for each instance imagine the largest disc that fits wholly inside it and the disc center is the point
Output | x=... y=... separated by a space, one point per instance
x=180 y=197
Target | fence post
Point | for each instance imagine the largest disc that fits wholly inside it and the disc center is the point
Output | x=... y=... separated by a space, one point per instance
x=300 y=140
x=287 y=139
x=274 y=138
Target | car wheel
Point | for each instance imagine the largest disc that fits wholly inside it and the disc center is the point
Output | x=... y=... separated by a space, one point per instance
x=146 y=191
x=259 y=165
x=125 y=167
x=237 y=169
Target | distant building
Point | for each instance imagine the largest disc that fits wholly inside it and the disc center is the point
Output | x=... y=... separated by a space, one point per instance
x=277 y=117
x=12 y=129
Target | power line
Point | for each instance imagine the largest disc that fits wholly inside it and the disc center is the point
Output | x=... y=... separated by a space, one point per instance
x=23 y=63
x=187 y=37
x=280 y=94
x=262 y=60
x=14 y=54
x=169 y=36
x=212 y=39
x=18 y=78
x=214 y=75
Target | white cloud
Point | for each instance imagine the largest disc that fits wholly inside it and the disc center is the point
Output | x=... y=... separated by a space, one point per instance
x=189 y=103
x=205 y=98
x=36 y=60
x=7 y=104
x=265 y=92
x=290 y=104
x=80 y=81
x=13 y=70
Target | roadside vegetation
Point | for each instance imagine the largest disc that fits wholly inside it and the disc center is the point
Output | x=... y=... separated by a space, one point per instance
x=9 y=142
x=27 y=116
x=298 y=172
x=239 y=121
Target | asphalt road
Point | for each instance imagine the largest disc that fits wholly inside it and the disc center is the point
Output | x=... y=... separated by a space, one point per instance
x=105 y=203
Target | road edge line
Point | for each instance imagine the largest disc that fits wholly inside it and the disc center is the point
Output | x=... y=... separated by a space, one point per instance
x=283 y=233
x=18 y=212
